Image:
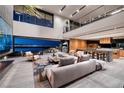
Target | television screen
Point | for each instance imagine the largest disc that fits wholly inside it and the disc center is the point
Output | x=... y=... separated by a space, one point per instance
x=5 y=37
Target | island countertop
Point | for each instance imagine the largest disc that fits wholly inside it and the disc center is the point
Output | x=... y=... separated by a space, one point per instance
x=105 y=49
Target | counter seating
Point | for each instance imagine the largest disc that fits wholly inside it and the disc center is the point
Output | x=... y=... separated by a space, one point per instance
x=100 y=54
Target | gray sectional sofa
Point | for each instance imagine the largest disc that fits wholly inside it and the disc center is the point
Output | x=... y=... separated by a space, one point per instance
x=59 y=76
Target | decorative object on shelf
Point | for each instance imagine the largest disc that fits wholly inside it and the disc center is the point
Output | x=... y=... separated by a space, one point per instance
x=105 y=41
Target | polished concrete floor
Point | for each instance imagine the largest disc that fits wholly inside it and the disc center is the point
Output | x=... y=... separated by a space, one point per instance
x=20 y=75
x=111 y=77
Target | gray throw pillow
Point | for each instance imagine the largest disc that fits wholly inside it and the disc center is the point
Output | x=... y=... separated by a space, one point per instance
x=83 y=58
x=66 y=61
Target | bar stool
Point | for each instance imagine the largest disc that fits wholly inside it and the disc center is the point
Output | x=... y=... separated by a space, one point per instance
x=95 y=55
x=101 y=56
x=104 y=57
x=90 y=53
x=107 y=57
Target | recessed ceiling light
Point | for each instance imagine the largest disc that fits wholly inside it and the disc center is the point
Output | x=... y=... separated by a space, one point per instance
x=63 y=8
x=60 y=11
x=77 y=11
x=82 y=8
x=117 y=11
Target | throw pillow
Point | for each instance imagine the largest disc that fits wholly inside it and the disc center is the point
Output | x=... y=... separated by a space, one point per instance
x=83 y=58
x=66 y=61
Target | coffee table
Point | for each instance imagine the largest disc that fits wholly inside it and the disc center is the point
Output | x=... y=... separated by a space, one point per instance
x=54 y=59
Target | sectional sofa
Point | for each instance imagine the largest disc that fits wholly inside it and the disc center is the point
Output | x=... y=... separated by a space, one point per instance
x=59 y=76
x=70 y=68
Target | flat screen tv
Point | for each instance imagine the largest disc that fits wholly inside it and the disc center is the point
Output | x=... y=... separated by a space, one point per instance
x=5 y=38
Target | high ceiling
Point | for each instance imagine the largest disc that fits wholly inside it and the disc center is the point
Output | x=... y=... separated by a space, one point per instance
x=88 y=12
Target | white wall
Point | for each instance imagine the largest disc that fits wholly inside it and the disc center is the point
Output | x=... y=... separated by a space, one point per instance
x=111 y=33
x=30 y=30
x=6 y=12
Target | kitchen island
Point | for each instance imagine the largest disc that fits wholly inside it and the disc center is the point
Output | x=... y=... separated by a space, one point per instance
x=105 y=54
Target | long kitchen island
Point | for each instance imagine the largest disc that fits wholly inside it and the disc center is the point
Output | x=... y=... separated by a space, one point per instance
x=105 y=54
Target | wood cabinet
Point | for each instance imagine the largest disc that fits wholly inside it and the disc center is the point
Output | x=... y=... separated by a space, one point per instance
x=121 y=53
x=92 y=45
x=116 y=53
x=77 y=44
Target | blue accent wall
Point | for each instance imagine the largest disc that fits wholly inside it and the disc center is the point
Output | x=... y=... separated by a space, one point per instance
x=33 y=44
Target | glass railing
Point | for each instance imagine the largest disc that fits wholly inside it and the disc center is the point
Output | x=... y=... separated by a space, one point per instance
x=72 y=27
x=68 y=29
x=23 y=17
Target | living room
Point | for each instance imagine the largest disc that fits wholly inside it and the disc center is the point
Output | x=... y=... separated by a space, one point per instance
x=61 y=46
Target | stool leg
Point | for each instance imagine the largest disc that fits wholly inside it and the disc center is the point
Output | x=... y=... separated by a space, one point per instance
x=97 y=55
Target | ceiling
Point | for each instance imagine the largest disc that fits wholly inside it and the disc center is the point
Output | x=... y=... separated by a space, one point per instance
x=112 y=26
x=88 y=12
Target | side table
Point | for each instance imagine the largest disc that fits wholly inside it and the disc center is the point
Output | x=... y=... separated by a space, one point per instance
x=40 y=69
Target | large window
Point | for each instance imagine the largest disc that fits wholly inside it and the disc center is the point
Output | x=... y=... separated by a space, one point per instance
x=5 y=37
x=33 y=15
x=27 y=44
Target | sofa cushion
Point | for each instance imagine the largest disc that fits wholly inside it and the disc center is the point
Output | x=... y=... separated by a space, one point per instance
x=66 y=61
x=80 y=59
x=61 y=54
x=79 y=53
x=84 y=57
